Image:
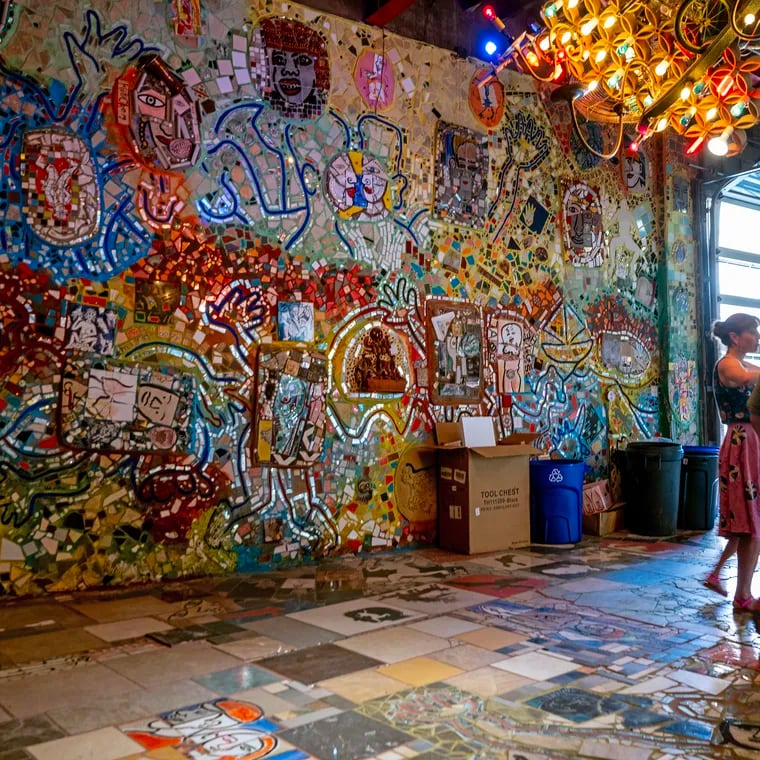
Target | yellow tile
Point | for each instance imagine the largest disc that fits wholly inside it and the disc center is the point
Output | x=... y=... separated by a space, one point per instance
x=419 y=671
x=491 y=638
x=363 y=685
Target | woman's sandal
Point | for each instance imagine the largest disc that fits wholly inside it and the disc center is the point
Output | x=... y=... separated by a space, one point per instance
x=746 y=604
x=714 y=583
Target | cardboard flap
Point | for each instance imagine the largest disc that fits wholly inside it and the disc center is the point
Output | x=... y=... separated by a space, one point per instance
x=448 y=433
x=495 y=452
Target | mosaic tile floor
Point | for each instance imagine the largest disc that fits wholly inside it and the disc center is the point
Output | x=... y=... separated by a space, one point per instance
x=609 y=649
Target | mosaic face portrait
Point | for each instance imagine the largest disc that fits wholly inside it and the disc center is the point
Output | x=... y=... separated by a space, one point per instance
x=297 y=68
x=582 y=225
x=358 y=187
x=373 y=76
x=486 y=98
x=461 y=176
x=158 y=114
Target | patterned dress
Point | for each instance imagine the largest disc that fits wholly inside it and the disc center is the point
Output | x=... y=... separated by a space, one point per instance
x=738 y=463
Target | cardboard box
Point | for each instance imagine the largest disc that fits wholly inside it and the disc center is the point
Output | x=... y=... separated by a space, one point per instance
x=483 y=492
x=603 y=523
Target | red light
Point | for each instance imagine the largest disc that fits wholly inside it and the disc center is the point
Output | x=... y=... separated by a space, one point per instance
x=633 y=147
x=489 y=12
x=695 y=146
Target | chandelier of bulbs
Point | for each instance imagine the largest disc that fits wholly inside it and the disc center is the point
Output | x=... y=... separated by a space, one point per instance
x=690 y=66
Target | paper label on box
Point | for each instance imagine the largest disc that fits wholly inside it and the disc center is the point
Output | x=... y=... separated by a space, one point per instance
x=445 y=473
x=455 y=512
x=460 y=476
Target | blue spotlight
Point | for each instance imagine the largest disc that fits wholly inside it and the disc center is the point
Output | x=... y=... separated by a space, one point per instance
x=490 y=47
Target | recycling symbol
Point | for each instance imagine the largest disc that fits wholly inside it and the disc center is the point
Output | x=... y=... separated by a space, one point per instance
x=555 y=476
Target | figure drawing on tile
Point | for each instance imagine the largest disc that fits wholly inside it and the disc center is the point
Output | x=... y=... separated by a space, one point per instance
x=461 y=179
x=91 y=329
x=486 y=97
x=221 y=729
x=112 y=405
x=357 y=186
x=291 y=67
x=375 y=81
x=295 y=321
x=514 y=341
x=454 y=352
x=61 y=193
x=290 y=408
x=158 y=115
x=583 y=233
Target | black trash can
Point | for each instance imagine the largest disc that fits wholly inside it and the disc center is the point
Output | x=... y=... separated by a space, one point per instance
x=698 y=504
x=651 y=485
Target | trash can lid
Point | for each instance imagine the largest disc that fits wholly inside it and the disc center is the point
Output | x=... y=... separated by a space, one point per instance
x=661 y=443
x=703 y=450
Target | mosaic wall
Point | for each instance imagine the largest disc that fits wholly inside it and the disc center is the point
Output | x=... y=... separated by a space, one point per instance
x=251 y=254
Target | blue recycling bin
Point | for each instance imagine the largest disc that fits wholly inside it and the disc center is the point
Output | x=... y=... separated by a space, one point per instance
x=556 y=500
x=698 y=502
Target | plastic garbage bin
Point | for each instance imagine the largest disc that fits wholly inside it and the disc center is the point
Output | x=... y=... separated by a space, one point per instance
x=556 y=500
x=698 y=503
x=651 y=485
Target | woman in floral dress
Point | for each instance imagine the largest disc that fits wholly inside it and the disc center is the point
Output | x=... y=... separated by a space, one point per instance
x=739 y=458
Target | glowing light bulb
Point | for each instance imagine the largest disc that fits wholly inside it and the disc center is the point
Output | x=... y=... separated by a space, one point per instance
x=629 y=54
x=614 y=80
x=685 y=92
x=661 y=124
x=573 y=3
x=662 y=67
x=600 y=56
x=648 y=100
x=711 y=114
x=738 y=109
x=589 y=26
x=718 y=146
x=532 y=58
x=544 y=43
x=592 y=85
x=565 y=38
x=749 y=19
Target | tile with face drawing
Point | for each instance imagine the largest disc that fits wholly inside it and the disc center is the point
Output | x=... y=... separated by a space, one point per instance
x=357 y=616
x=218 y=728
x=434 y=598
